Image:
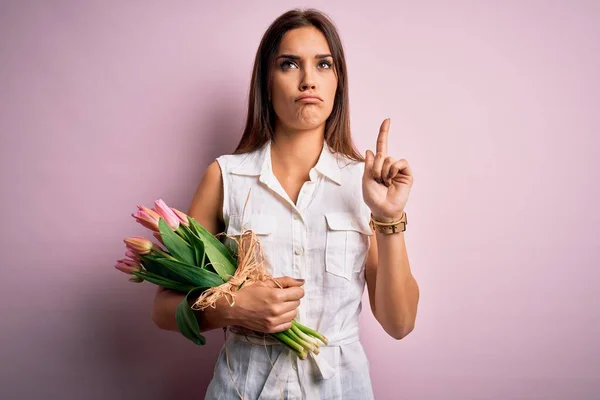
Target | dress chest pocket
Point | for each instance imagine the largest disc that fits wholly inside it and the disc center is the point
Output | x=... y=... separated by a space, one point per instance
x=347 y=245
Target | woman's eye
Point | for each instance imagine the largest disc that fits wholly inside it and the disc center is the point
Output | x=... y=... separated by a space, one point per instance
x=325 y=64
x=288 y=64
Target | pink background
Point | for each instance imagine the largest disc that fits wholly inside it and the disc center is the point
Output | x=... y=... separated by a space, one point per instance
x=105 y=105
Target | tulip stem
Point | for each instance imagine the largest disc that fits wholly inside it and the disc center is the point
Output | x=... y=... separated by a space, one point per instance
x=309 y=331
x=163 y=254
x=297 y=348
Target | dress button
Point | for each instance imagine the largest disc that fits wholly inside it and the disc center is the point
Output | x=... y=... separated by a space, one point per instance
x=299 y=251
x=296 y=217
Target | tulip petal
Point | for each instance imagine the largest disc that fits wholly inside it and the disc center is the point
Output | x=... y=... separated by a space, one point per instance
x=167 y=214
x=138 y=245
x=127 y=267
x=183 y=218
x=149 y=211
x=148 y=220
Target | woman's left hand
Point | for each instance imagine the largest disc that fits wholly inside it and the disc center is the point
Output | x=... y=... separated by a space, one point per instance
x=386 y=182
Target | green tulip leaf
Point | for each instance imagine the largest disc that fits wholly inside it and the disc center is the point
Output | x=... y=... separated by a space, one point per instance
x=218 y=254
x=178 y=247
x=187 y=322
x=191 y=274
x=149 y=262
x=197 y=244
x=164 y=282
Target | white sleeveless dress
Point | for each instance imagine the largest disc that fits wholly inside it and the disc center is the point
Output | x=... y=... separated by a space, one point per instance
x=324 y=238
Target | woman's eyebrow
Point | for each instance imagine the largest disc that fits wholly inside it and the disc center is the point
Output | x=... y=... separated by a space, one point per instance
x=295 y=57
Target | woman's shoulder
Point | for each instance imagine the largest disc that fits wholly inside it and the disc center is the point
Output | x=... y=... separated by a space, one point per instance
x=234 y=160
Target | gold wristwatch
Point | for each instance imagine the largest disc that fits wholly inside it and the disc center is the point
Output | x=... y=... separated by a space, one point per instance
x=389 y=228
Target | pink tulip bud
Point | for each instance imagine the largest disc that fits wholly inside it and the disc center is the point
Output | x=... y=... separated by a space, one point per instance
x=138 y=245
x=183 y=218
x=128 y=266
x=167 y=214
x=147 y=217
x=149 y=211
x=132 y=255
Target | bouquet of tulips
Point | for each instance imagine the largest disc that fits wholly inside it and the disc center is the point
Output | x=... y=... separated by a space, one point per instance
x=191 y=260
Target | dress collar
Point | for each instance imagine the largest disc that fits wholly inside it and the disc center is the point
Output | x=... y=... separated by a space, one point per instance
x=258 y=163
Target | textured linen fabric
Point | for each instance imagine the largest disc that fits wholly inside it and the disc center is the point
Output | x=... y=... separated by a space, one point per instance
x=324 y=238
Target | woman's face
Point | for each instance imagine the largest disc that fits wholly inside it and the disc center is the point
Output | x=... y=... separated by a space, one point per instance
x=303 y=67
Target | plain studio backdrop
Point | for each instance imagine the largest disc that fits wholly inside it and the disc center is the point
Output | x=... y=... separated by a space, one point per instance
x=105 y=105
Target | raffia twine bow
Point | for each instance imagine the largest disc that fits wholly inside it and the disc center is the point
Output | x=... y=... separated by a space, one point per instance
x=251 y=269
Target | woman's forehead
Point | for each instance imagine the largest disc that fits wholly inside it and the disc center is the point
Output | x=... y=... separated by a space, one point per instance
x=304 y=42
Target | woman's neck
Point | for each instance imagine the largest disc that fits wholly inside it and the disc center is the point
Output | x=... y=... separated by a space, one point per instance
x=296 y=152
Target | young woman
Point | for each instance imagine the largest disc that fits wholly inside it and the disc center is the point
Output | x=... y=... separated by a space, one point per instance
x=328 y=219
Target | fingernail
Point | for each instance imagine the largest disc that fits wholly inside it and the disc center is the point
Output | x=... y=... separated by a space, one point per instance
x=300 y=280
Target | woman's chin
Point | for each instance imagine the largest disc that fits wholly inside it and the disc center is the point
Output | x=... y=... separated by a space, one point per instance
x=309 y=122
x=302 y=122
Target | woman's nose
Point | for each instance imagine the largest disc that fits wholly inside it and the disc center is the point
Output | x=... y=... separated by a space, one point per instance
x=307 y=85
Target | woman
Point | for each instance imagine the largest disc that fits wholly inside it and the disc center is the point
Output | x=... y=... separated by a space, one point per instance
x=320 y=211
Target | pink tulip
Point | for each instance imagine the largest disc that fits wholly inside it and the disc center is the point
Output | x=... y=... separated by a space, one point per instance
x=167 y=214
x=149 y=211
x=147 y=217
x=138 y=245
x=132 y=255
x=128 y=266
x=182 y=217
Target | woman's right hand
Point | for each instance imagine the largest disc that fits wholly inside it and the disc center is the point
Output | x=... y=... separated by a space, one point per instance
x=264 y=307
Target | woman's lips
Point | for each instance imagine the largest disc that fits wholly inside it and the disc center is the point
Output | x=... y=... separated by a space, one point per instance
x=309 y=100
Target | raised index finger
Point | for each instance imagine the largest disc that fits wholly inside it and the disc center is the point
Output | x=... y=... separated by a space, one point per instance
x=382 y=139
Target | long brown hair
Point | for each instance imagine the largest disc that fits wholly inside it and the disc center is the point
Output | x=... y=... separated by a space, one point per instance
x=260 y=122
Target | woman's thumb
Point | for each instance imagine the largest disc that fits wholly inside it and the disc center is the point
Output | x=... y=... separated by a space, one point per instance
x=287 y=281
